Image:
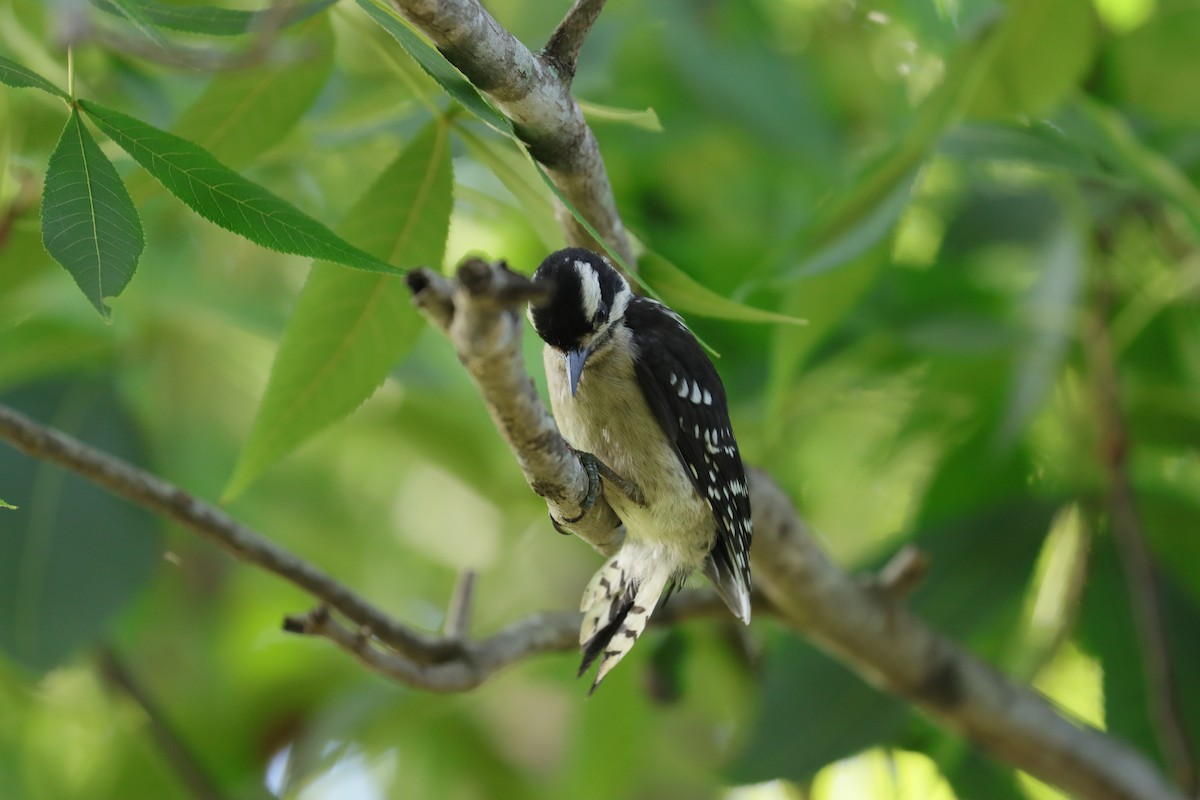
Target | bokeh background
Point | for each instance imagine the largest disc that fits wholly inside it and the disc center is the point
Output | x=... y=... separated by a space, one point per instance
x=987 y=212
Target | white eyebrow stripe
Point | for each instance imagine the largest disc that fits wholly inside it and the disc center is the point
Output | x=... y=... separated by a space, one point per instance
x=589 y=289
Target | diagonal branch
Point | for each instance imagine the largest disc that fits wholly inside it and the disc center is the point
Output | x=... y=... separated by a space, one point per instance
x=173 y=503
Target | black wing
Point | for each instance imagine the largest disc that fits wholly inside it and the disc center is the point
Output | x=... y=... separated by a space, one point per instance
x=688 y=399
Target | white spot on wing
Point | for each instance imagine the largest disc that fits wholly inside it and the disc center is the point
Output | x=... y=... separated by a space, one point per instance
x=707 y=398
x=695 y=393
x=683 y=388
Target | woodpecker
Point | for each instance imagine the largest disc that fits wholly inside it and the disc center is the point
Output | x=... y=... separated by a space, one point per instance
x=631 y=388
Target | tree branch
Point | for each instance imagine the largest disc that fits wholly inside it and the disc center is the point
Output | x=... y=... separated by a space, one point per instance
x=1141 y=576
x=477 y=661
x=863 y=623
x=564 y=44
x=449 y=663
x=535 y=94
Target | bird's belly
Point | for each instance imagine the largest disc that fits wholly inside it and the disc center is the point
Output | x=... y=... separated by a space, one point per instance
x=614 y=423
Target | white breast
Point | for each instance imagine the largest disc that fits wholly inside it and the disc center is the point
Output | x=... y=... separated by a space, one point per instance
x=609 y=417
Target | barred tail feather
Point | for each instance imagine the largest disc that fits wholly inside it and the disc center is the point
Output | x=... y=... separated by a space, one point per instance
x=616 y=608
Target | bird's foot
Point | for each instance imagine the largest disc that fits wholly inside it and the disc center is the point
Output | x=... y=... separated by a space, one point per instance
x=597 y=469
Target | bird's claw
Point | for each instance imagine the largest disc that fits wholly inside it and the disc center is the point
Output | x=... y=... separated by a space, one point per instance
x=597 y=469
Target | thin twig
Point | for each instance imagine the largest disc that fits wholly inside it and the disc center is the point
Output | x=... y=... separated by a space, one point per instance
x=182 y=760
x=173 y=503
x=903 y=571
x=458 y=613
x=564 y=44
x=1141 y=575
x=479 y=660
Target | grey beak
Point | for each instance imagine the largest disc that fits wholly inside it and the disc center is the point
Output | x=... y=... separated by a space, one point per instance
x=575 y=361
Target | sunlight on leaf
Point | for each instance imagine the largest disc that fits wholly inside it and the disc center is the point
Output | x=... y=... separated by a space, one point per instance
x=224 y=197
x=89 y=224
x=350 y=328
x=8 y=506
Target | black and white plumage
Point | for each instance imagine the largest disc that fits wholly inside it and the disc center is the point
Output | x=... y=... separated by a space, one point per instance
x=630 y=385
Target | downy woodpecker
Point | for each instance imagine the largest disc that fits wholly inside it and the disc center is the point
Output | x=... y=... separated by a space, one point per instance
x=631 y=387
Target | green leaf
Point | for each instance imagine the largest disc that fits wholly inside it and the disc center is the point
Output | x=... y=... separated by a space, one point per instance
x=687 y=296
x=133 y=12
x=1040 y=144
x=1107 y=631
x=435 y=64
x=646 y=119
x=41 y=345
x=513 y=169
x=17 y=76
x=73 y=555
x=1153 y=69
x=844 y=716
x=824 y=299
x=7 y=506
x=243 y=112
x=871 y=227
x=1045 y=51
x=215 y=21
x=89 y=223
x=863 y=217
x=971 y=773
x=1109 y=135
x=1049 y=309
x=225 y=198
x=349 y=329
x=981 y=608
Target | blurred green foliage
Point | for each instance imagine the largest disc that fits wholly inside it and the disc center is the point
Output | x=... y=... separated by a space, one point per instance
x=960 y=196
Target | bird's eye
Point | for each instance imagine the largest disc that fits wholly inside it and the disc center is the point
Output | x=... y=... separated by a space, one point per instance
x=600 y=316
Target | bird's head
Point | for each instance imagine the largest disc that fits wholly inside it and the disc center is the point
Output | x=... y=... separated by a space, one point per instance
x=588 y=299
